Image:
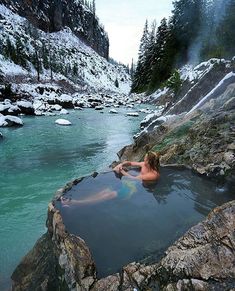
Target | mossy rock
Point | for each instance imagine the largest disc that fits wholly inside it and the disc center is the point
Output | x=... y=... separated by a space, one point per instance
x=174 y=136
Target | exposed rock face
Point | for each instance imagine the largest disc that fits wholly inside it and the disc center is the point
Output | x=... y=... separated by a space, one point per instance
x=41 y=264
x=55 y=15
x=206 y=77
x=185 y=101
x=203 y=259
x=59 y=261
x=203 y=142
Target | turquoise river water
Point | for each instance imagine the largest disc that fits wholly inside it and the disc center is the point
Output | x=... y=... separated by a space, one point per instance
x=39 y=158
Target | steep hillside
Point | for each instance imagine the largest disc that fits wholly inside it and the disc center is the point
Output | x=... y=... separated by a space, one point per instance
x=55 y=15
x=197 y=127
x=30 y=55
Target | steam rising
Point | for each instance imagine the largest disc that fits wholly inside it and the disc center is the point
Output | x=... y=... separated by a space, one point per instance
x=213 y=12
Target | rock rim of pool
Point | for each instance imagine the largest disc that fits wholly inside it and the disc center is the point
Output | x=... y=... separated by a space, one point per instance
x=203 y=258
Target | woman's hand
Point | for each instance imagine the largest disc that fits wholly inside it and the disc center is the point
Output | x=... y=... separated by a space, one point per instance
x=118 y=168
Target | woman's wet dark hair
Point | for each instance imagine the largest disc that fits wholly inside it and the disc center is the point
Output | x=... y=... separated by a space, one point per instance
x=153 y=160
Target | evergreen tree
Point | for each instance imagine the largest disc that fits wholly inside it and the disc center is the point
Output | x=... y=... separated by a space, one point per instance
x=45 y=56
x=212 y=14
x=93 y=7
x=174 y=82
x=132 y=69
x=138 y=80
x=226 y=31
x=9 y=50
x=75 y=69
x=37 y=62
x=150 y=54
x=203 y=28
x=67 y=70
x=144 y=40
x=116 y=83
x=186 y=22
x=161 y=62
x=21 y=57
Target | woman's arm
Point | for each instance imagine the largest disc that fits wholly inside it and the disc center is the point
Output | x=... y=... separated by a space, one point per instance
x=125 y=173
x=145 y=177
x=127 y=163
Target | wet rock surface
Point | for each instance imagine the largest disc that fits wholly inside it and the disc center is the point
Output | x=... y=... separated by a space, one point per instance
x=204 y=255
x=58 y=261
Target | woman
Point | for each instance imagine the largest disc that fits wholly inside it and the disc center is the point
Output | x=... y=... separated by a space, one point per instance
x=149 y=172
x=149 y=167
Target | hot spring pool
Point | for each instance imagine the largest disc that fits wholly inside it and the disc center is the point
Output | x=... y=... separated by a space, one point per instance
x=124 y=220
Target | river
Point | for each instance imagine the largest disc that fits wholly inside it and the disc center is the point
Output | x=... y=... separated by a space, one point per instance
x=39 y=158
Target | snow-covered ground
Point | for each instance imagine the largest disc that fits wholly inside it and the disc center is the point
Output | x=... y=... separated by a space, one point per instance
x=78 y=64
x=229 y=76
x=191 y=73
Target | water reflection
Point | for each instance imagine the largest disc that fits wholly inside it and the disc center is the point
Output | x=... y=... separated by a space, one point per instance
x=124 y=220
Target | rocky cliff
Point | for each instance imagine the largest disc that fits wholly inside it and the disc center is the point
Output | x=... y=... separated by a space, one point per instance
x=52 y=16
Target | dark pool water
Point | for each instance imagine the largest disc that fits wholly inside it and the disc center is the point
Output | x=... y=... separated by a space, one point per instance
x=124 y=220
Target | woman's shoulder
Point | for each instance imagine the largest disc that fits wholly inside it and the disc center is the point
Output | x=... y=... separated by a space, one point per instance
x=156 y=174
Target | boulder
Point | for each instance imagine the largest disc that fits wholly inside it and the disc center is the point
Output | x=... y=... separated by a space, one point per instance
x=114 y=111
x=204 y=257
x=64 y=111
x=8 y=108
x=135 y=114
x=99 y=107
x=14 y=110
x=26 y=107
x=63 y=122
x=150 y=118
x=58 y=261
x=4 y=108
x=66 y=101
x=56 y=107
x=10 y=120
